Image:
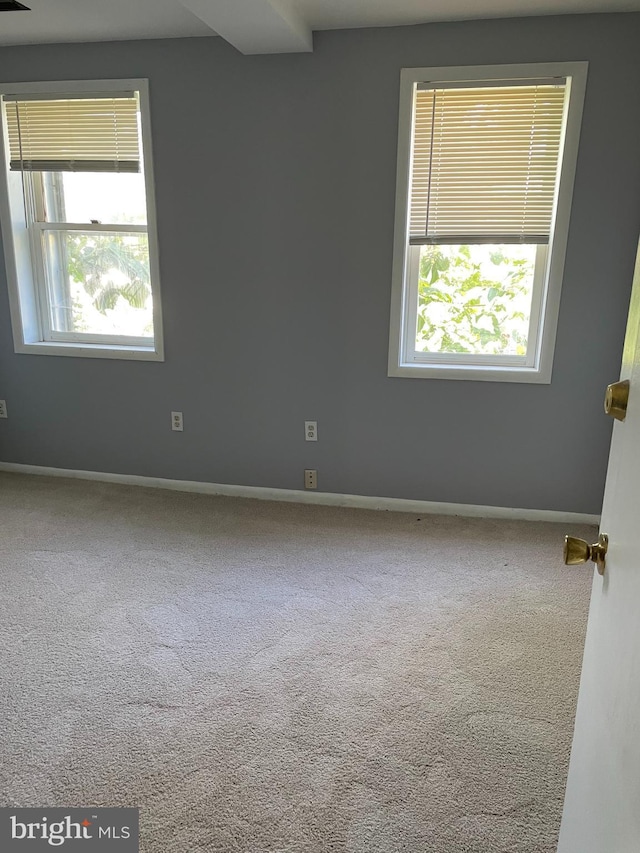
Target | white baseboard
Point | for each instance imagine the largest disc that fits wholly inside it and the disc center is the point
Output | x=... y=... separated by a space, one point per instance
x=298 y=496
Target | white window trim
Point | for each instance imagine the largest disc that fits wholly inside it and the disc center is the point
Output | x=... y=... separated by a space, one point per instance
x=538 y=366
x=26 y=314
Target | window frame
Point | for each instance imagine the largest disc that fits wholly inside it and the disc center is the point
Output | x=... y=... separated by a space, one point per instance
x=537 y=366
x=24 y=259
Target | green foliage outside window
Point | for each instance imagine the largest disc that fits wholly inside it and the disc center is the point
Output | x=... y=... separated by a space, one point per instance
x=474 y=299
x=110 y=266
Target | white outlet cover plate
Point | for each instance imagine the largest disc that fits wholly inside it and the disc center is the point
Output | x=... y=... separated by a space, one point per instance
x=311 y=430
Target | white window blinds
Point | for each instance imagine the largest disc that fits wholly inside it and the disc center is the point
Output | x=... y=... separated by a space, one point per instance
x=98 y=134
x=485 y=163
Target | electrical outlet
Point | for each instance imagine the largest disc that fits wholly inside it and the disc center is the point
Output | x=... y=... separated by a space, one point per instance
x=3 y=409
x=310 y=478
x=176 y=422
x=311 y=430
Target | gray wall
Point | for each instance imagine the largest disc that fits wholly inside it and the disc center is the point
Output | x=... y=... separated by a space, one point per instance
x=275 y=193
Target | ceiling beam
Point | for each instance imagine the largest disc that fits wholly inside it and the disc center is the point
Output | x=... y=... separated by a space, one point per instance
x=255 y=26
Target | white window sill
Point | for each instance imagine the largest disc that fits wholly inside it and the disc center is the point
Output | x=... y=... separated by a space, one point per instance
x=132 y=353
x=480 y=373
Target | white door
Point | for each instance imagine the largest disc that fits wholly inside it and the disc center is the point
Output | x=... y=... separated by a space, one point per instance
x=602 y=804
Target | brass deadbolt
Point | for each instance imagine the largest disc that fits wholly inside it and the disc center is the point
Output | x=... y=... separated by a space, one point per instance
x=616 y=399
x=577 y=551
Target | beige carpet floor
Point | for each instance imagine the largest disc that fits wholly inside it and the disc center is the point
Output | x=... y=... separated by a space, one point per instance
x=265 y=677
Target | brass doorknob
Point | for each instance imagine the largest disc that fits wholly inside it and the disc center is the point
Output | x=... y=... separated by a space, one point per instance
x=578 y=551
x=616 y=399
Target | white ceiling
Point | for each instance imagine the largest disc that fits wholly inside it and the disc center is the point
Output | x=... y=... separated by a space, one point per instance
x=333 y=14
x=258 y=26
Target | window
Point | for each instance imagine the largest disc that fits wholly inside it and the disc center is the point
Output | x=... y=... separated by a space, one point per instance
x=78 y=219
x=486 y=160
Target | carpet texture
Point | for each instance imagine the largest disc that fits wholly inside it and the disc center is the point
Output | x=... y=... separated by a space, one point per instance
x=263 y=677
